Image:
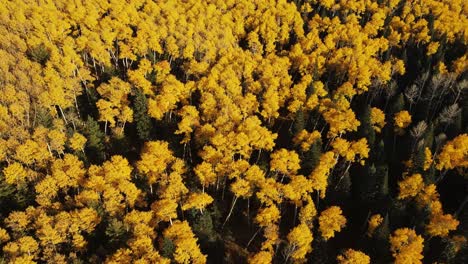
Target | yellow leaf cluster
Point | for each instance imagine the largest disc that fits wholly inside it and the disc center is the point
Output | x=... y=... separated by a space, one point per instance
x=351 y=256
x=187 y=250
x=454 y=154
x=319 y=175
x=306 y=139
x=406 y=246
x=351 y=151
x=373 y=223
x=285 y=162
x=331 y=220
x=300 y=239
x=410 y=186
x=77 y=142
x=402 y=120
x=377 y=117
x=197 y=201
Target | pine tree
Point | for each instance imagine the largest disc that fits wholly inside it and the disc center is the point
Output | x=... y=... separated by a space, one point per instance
x=419 y=159
x=382 y=180
x=299 y=122
x=140 y=115
x=365 y=129
x=95 y=136
x=397 y=105
x=312 y=157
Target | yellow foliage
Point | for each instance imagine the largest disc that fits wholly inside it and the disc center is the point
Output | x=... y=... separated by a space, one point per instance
x=25 y=245
x=432 y=48
x=155 y=157
x=340 y=117
x=406 y=246
x=57 y=139
x=308 y=213
x=77 y=142
x=4 y=236
x=114 y=107
x=454 y=154
x=402 y=120
x=427 y=158
x=204 y=172
x=241 y=188
x=441 y=224
x=319 y=175
x=428 y=195
x=297 y=189
x=351 y=256
x=15 y=173
x=300 y=240
x=285 y=162
x=269 y=192
x=165 y=209
x=262 y=257
x=306 y=139
x=235 y=75
x=267 y=216
x=197 y=201
x=190 y=119
x=374 y=222
x=187 y=250
x=459 y=242
x=331 y=220
x=410 y=186
x=377 y=117
x=349 y=150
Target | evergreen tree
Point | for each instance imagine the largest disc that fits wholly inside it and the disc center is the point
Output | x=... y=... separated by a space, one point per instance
x=398 y=104
x=312 y=157
x=419 y=158
x=116 y=233
x=378 y=153
x=95 y=143
x=429 y=136
x=299 y=122
x=140 y=115
x=381 y=241
x=365 y=129
x=6 y=195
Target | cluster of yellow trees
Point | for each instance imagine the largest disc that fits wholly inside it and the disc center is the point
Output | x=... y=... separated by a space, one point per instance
x=224 y=73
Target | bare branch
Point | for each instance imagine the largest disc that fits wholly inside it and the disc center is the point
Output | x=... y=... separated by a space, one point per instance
x=419 y=129
x=449 y=113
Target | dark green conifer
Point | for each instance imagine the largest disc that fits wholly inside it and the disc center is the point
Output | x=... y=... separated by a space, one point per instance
x=141 y=117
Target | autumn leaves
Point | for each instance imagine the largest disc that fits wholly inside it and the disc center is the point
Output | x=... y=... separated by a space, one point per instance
x=262 y=98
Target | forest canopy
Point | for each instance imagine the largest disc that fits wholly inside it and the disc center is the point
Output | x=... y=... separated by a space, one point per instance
x=233 y=131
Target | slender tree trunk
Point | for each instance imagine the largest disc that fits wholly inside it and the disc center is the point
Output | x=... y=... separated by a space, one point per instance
x=295 y=214
x=50 y=151
x=344 y=173
x=460 y=208
x=230 y=211
x=63 y=115
x=253 y=237
x=123 y=127
x=224 y=187
x=76 y=104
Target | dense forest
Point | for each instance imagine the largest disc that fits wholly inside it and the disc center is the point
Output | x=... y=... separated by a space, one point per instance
x=233 y=131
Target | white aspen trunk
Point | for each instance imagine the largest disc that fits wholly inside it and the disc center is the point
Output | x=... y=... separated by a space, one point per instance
x=230 y=211
x=63 y=115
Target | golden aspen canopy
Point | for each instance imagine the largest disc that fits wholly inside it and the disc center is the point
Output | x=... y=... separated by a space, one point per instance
x=233 y=131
